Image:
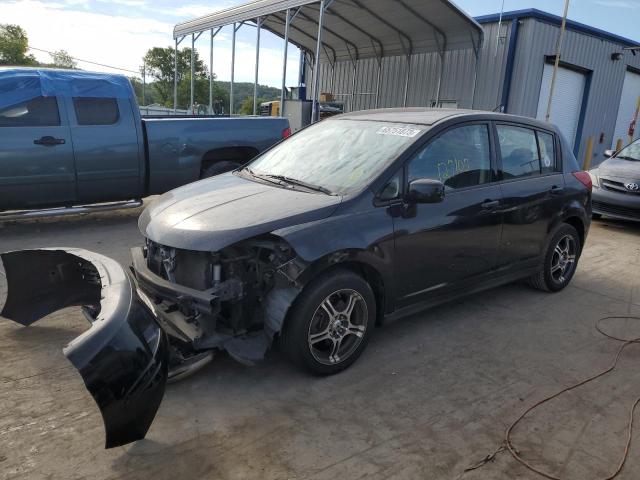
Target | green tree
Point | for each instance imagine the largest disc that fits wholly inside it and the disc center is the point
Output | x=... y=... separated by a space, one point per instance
x=159 y=64
x=246 y=107
x=62 y=59
x=14 y=44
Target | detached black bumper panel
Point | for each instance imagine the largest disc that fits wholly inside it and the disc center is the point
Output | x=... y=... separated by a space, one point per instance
x=123 y=358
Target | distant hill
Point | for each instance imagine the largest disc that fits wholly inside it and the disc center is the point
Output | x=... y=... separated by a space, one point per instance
x=242 y=90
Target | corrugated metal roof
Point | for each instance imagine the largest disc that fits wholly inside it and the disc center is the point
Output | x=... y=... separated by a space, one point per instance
x=356 y=28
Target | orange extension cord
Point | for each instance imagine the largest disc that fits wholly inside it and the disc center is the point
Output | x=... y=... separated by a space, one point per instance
x=515 y=454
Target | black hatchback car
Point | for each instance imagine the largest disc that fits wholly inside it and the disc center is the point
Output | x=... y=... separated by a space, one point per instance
x=355 y=219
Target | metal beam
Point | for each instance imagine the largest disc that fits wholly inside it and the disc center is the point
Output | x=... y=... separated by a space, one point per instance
x=255 y=83
x=213 y=34
x=302 y=32
x=284 y=65
x=332 y=32
x=175 y=75
x=233 y=66
x=193 y=70
x=387 y=23
x=440 y=79
x=316 y=65
x=378 y=84
x=361 y=30
x=406 y=81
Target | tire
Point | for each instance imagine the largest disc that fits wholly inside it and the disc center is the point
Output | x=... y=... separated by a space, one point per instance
x=596 y=216
x=560 y=260
x=219 y=168
x=310 y=334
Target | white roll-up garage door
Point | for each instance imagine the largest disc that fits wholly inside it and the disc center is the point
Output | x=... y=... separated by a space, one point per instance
x=627 y=110
x=567 y=99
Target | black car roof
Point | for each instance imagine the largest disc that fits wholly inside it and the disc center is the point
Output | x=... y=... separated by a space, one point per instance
x=431 y=116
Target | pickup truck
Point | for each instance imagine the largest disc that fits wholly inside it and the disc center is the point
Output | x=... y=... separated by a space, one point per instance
x=73 y=138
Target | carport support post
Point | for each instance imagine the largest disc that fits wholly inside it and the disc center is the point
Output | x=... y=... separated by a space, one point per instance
x=211 y=73
x=440 y=76
x=175 y=79
x=193 y=69
x=255 y=83
x=284 y=65
x=316 y=65
x=406 y=81
x=233 y=65
x=378 y=83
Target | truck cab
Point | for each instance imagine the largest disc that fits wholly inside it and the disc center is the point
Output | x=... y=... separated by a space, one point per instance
x=70 y=138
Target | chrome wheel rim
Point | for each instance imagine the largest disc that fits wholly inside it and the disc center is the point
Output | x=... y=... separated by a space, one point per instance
x=337 y=327
x=563 y=261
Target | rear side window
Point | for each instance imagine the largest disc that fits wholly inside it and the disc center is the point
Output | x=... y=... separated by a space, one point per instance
x=96 y=111
x=459 y=158
x=37 y=112
x=519 y=150
x=547 y=153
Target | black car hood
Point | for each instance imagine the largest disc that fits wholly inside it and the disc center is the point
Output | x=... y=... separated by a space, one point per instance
x=620 y=168
x=217 y=212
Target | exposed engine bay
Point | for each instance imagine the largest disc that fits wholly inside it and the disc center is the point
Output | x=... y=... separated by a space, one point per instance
x=244 y=293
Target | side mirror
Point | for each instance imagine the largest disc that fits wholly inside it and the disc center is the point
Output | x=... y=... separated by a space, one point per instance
x=609 y=153
x=425 y=190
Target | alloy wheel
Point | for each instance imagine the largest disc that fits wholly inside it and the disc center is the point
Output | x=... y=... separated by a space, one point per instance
x=563 y=261
x=338 y=327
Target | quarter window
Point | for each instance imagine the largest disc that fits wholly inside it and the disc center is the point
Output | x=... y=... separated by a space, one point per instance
x=96 y=111
x=519 y=150
x=37 y=112
x=547 y=153
x=459 y=158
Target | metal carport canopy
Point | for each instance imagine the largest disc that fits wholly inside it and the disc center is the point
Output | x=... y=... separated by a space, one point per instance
x=355 y=29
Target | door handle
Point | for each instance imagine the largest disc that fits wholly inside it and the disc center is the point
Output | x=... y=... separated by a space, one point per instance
x=490 y=204
x=49 y=141
x=555 y=190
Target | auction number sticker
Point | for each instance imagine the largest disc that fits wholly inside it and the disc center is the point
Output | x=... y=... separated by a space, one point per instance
x=399 y=131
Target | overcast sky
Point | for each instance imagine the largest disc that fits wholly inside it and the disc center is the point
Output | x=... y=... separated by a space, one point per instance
x=119 y=32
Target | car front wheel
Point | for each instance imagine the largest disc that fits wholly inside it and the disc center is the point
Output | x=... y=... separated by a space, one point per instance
x=330 y=323
x=560 y=260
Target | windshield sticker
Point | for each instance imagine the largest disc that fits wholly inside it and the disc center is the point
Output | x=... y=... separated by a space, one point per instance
x=399 y=131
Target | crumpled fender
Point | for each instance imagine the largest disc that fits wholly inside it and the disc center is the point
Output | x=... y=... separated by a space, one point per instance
x=123 y=358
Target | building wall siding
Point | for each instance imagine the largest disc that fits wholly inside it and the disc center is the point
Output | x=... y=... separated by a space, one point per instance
x=536 y=39
x=593 y=54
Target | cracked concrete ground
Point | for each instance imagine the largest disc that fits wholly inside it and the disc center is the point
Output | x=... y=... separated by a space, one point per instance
x=431 y=395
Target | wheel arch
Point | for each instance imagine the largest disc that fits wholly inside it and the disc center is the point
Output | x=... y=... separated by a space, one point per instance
x=577 y=223
x=236 y=154
x=350 y=261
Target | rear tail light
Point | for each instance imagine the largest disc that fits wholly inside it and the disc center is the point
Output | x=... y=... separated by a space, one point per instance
x=286 y=133
x=584 y=178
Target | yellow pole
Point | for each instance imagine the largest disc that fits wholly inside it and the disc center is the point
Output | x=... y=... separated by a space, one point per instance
x=619 y=145
x=635 y=119
x=589 y=155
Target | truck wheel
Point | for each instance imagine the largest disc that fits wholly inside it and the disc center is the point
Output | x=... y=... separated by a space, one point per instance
x=330 y=323
x=219 y=168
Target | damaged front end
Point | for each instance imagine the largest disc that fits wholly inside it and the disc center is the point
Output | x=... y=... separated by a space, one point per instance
x=235 y=299
x=123 y=358
x=160 y=322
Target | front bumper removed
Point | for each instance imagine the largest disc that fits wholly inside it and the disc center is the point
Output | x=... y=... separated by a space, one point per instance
x=123 y=358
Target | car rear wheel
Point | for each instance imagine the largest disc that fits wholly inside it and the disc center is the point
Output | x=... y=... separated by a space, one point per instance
x=560 y=261
x=330 y=323
x=596 y=216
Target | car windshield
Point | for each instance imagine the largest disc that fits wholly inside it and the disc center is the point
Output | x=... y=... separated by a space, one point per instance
x=630 y=152
x=336 y=156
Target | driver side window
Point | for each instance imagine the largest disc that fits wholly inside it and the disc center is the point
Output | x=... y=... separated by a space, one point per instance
x=459 y=158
